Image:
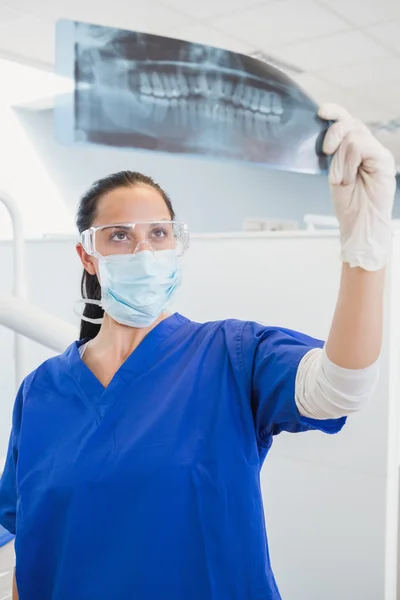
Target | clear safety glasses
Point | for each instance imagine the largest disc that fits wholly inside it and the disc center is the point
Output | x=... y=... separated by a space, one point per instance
x=130 y=238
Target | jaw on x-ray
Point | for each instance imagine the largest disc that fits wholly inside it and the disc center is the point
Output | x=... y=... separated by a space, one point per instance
x=137 y=90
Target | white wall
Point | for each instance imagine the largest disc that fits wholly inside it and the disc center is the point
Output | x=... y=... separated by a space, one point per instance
x=209 y=195
x=47 y=179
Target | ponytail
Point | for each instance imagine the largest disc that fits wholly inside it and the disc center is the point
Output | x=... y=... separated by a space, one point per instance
x=90 y=288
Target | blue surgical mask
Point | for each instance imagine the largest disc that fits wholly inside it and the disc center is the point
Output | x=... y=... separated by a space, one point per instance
x=137 y=288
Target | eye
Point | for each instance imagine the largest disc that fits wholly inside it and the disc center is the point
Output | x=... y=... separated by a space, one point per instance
x=159 y=233
x=119 y=236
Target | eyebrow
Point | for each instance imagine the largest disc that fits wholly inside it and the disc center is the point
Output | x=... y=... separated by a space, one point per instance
x=127 y=224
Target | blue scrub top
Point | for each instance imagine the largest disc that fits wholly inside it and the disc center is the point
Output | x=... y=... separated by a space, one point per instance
x=150 y=488
x=5 y=536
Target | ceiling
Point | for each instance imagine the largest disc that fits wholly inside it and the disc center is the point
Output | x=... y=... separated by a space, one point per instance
x=348 y=51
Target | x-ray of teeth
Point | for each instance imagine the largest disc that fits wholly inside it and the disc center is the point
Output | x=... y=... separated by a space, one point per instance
x=137 y=90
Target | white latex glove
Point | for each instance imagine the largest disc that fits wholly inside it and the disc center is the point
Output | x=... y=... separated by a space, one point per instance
x=362 y=180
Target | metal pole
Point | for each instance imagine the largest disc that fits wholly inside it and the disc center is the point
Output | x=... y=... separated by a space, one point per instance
x=19 y=281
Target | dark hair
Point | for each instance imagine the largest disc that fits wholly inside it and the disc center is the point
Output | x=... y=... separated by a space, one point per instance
x=85 y=217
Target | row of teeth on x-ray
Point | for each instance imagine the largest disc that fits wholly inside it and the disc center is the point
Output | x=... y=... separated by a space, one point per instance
x=193 y=114
x=176 y=86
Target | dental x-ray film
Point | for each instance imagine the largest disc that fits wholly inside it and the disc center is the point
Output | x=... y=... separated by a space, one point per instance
x=136 y=90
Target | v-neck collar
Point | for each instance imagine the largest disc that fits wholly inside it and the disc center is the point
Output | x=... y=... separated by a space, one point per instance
x=139 y=361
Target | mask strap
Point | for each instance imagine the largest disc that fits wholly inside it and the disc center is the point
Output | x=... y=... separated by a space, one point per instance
x=83 y=317
x=84 y=290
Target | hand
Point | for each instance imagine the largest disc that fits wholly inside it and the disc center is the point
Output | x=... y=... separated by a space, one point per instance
x=362 y=180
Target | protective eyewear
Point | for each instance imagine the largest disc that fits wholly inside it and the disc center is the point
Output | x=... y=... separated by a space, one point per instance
x=131 y=238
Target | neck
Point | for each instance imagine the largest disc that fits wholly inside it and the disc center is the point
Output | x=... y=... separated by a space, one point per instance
x=120 y=340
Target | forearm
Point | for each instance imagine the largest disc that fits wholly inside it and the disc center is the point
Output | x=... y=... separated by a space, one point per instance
x=355 y=338
x=341 y=380
x=14 y=590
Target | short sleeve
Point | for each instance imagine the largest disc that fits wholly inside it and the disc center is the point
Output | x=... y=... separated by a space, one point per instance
x=8 y=481
x=270 y=357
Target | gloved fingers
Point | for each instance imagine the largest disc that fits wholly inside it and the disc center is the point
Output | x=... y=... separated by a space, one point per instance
x=352 y=161
x=375 y=157
x=359 y=149
x=333 y=112
x=337 y=167
x=338 y=131
x=378 y=158
x=349 y=157
x=335 y=135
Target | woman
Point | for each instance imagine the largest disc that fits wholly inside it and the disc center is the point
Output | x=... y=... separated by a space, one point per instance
x=134 y=459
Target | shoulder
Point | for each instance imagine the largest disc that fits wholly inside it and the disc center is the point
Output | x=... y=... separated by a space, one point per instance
x=48 y=372
x=245 y=339
x=223 y=329
x=275 y=334
x=248 y=332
